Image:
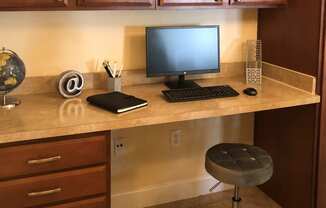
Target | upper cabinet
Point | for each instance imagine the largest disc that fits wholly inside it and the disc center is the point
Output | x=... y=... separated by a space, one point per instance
x=108 y=4
x=257 y=2
x=131 y=4
x=210 y=3
x=33 y=4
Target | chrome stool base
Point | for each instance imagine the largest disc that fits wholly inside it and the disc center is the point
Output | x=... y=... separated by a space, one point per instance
x=236 y=198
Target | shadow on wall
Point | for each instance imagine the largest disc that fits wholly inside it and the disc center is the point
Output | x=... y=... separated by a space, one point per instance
x=134 y=49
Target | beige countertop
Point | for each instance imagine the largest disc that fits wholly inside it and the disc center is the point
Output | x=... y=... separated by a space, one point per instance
x=49 y=115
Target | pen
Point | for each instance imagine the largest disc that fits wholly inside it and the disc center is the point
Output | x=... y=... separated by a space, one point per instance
x=107 y=68
x=113 y=67
x=120 y=71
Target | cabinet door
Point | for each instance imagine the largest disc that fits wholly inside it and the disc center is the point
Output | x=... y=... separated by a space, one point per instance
x=32 y=4
x=112 y=4
x=190 y=3
x=257 y=2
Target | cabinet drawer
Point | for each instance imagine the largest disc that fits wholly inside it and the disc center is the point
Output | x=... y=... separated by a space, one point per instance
x=258 y=2
x=57 y=187
x=115 y=3
x=33 y=3
x=99 y=202
x=52 y=156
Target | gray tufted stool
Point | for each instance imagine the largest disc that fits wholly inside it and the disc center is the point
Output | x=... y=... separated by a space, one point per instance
x=240 y=165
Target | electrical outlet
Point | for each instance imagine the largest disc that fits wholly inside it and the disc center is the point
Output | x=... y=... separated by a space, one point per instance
x=120 y=146
x=175 y=138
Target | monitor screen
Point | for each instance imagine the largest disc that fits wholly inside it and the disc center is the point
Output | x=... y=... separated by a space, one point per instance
x=182 y=50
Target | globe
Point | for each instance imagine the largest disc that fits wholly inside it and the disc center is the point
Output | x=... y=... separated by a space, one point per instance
x=12 y=71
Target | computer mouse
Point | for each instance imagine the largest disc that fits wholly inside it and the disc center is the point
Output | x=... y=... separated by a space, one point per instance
x=250 y=91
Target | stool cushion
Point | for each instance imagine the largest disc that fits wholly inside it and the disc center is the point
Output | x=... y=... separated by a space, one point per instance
x=239 y=164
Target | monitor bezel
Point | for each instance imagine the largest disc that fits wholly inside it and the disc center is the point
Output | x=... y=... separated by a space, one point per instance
x=200 y=71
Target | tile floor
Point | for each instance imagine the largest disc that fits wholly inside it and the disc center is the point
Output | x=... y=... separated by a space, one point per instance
x=251 y=198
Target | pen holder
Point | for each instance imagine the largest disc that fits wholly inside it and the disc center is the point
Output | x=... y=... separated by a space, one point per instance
x=114 y=84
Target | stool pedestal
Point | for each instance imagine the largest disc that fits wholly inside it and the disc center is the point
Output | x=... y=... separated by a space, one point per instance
x=236 y=198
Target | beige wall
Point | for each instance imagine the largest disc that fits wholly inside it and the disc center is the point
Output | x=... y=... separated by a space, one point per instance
x=150 y=171
x=52 y=42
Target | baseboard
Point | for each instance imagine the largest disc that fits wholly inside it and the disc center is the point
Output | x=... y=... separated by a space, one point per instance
x=164 y=193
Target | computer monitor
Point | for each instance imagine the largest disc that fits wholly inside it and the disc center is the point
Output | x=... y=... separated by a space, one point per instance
x=182 y=50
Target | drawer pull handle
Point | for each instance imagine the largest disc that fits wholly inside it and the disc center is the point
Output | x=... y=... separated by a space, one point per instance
x=44 y=193
x=44 y=160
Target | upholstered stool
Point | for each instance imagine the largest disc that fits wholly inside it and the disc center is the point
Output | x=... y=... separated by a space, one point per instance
x=239 y=165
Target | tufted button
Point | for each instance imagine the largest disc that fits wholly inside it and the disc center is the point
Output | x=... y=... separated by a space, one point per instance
x=252 y=158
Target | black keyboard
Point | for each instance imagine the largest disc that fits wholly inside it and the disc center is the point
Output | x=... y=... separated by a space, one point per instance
x=200 y=93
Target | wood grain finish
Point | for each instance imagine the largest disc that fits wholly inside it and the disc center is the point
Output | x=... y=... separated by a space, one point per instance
x=300 y=47
x=21 y=5
x=321 y=184
x=31 y=119
x=258 y=2
x=45 y=157
x=115 y=3
x=288 y=137
x=36 y=191
x=12 y=4
x=190 y=2
x=99 y=202
x=287 y=43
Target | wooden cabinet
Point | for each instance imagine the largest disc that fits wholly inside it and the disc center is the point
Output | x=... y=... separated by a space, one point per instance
x=53 y=188
x=295 y=136
x=63 y=172
x=99 y=202
x=130 y=4
x=219 y=3
x=113 y=4
x=210 y=3
x=52 y=156
x=257 y=2
x=33 y=4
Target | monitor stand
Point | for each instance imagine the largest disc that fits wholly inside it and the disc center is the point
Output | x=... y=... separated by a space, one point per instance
x=181 y=83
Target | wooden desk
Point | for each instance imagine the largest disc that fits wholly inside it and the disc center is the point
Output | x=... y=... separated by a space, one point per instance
x=49 y=115
x=25 y=131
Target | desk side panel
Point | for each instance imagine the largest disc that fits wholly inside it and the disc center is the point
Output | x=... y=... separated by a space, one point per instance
x=289 y=136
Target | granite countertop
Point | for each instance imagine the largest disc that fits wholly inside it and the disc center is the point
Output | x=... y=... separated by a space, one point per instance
x=50 y=115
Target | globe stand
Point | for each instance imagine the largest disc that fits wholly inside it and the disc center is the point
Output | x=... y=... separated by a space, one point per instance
x=8 y=102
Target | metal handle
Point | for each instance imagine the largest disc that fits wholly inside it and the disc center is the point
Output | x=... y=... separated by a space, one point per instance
x=44 y=160
x=43 y=193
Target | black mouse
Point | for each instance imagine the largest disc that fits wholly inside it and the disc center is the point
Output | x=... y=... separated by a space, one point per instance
x=250 y=91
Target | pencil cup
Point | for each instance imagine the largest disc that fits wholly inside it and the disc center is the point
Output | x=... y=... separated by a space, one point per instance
x=114 y=84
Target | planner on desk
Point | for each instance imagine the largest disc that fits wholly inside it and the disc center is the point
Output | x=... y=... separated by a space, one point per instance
x=117 y=102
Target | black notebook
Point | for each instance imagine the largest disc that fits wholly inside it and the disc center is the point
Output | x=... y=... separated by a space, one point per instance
x=116 y=102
